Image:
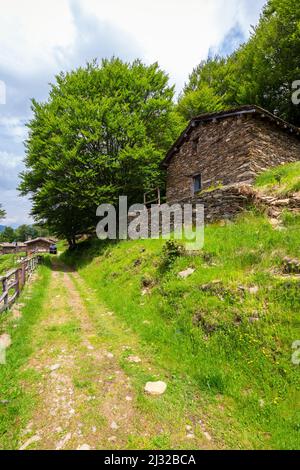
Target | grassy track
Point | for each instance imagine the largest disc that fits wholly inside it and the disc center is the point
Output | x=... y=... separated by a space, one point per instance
x=16 y=405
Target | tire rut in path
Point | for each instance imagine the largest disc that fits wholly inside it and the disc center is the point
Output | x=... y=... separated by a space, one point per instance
x=85 y=398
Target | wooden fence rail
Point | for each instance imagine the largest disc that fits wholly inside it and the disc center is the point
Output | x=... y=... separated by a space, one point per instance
x=14 y=281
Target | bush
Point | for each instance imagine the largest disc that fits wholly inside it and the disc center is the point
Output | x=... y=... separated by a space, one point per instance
x=172 y=250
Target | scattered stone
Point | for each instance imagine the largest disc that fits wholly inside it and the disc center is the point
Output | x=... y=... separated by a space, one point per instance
x=5 y=341
x=146 y=291
x=30 y=441
x=211 y=285
x=135 y=359
x=94 y=429
x=189 y=428
x=280 y=202
x=114 y=425
x=63 y=441
x=188 y=272
x=253 y=290
x=128 y=398
x=155 y=388
x=16 y=314
x=54 y=367
x=274 y=222
x=109 y=355
x=253 y=319
x=90 y=347
x=84 y=447
x=112 y=438
x=4 y=402
x=190 y=436
x=207 y=435
x=291 y=266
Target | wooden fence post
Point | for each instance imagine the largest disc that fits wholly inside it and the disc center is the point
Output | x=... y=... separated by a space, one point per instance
x=17 y=282
x=4 y=287
x=20 y=276
x=23 y=273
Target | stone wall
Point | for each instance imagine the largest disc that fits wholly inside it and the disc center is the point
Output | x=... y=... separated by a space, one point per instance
x=224 y=203
x=41 y=246
x=271 y=146
x=226 y=152
x=220 y=204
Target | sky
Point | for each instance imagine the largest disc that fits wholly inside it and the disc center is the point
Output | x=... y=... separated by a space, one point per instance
x=40 y=38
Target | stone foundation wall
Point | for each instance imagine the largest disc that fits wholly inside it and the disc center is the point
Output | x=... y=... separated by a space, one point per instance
x=220 y=204
x=224 y=203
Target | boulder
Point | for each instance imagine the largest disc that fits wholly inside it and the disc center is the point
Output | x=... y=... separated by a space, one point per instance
x=184 y=274
x=155 y=388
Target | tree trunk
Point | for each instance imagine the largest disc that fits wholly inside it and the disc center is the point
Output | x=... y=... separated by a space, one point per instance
x=72 y=243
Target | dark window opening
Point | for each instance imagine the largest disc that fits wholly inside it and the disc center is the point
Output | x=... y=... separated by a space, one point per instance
x=197 y=183
x=195 y=145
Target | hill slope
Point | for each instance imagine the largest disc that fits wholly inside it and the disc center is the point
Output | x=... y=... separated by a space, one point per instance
x=227 y=330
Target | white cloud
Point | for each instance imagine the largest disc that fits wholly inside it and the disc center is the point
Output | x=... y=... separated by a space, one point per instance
x=30 y=32
x=177 y=33
x=13 y=127
x=37 y=35
x=17 y=208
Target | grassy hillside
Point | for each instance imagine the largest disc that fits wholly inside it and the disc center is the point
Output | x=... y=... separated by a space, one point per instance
x=282 y=180
x=8 y=262
x=224 y=335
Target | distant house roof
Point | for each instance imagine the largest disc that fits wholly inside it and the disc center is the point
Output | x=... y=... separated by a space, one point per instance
x=249 y=109
x=12 y=245
x=39 y=239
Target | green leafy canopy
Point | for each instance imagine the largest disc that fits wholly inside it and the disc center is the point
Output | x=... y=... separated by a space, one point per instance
x=102 y=133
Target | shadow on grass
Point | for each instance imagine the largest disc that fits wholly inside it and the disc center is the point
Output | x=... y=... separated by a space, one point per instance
x=83 y=254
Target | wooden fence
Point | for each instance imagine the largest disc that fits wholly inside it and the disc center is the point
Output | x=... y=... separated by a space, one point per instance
x=14 y=281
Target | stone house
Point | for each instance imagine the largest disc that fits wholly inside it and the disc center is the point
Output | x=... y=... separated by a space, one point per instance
x=39 y=244
x=11 y=248
x=219 y=151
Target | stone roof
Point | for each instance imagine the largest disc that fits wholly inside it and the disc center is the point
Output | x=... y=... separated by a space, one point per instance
x=12 y=245
x=249 y=109
x=39 y=239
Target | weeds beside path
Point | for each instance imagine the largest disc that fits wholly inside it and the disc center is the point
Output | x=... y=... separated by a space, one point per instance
x=83 y=391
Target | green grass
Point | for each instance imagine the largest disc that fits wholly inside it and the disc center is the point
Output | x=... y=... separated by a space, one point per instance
x=206 y=338
x=8 y=262
x=283 y=180
x=16 y=405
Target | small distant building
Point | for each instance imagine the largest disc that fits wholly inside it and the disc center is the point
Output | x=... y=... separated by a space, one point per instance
x=11 y=248
x=39 y=245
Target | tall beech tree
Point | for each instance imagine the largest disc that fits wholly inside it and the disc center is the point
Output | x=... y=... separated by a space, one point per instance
x=102 y=133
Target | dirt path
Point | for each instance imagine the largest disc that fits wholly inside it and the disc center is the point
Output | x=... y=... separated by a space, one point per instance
x=83 y=397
